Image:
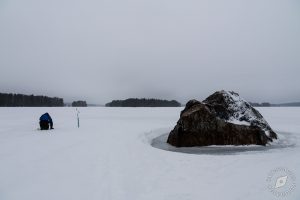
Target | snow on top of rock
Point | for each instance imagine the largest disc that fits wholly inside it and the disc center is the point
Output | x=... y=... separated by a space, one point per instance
x=239 y=110
x=243 y=111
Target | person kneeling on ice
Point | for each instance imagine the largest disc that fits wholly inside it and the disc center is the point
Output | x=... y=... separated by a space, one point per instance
x=45 y=120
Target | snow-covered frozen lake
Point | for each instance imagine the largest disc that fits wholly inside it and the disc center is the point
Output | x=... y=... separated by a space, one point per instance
x=113 y=155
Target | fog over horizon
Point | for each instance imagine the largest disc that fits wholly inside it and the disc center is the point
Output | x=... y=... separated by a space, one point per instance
x=103 y=50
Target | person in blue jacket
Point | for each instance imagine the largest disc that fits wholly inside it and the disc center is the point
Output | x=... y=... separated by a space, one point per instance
x=45 y=121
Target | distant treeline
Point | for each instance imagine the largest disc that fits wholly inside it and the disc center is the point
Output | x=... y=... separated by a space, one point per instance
x=21 y=100
x=265 y=104
x=293 y=104
x=79 y=104
x=134 y=102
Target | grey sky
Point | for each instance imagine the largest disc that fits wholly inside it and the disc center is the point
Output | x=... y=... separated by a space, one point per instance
x=99 y=50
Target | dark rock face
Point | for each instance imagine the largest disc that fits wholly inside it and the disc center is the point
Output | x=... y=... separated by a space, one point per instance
x=223 y=118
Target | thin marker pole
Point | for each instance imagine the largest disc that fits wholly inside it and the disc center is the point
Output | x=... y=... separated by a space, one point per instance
x=77 y=118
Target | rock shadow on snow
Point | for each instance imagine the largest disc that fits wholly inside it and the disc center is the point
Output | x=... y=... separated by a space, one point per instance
x=286 y=140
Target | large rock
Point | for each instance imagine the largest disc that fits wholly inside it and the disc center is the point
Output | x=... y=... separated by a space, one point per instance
x=224 y=118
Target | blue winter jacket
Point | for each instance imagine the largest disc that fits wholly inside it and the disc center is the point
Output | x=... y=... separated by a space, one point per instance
x=46 y=117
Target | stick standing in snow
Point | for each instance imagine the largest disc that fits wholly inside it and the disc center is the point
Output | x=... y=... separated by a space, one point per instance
x=77 y=117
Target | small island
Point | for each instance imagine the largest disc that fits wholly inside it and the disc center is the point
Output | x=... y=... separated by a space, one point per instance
x=135 y=102
x=79 y=104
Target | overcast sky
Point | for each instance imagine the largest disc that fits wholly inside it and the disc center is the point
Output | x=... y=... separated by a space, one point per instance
x=99 y=50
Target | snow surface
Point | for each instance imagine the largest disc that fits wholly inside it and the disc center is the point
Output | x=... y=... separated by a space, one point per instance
x=110 y=157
